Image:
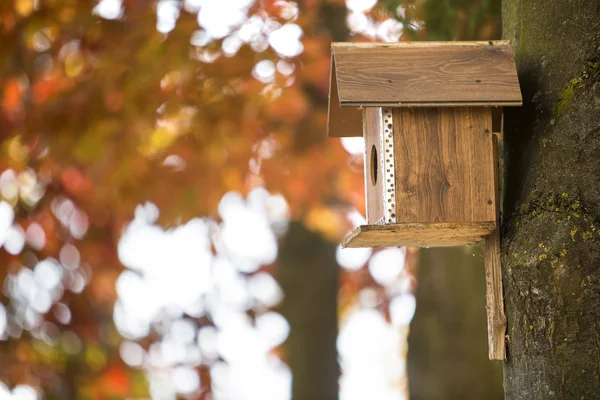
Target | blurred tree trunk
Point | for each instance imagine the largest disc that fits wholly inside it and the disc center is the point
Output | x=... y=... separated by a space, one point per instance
x=447 y=342
x=308 y=273
x=551 y=252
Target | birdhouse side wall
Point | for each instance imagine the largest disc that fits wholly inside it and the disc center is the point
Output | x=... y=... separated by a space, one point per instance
x=373 y=175
x=444 y=168
x=373 y=171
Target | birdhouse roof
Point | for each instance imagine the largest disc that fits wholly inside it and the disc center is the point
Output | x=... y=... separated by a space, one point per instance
x=417 y=74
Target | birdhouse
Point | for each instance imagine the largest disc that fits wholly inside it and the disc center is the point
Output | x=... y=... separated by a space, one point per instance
x=430 y=113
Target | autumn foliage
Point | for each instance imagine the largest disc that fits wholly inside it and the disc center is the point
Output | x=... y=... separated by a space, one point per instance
x=98 y=115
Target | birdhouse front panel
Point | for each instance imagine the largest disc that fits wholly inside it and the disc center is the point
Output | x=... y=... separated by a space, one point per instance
x=444 y=164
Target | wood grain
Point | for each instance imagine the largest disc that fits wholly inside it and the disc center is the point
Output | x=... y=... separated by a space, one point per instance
x=496 y=319
x=419 y=234
x=374 y=192
x=497 y=121
x=341 y=121
x=452 y=73
x=418 y=44
x=444 y=168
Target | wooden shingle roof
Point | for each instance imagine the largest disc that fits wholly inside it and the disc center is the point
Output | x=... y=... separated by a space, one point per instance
x=417 y=74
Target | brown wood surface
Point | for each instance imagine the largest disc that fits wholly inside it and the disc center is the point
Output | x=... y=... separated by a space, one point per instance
x=341 y=121
x=497 y=121
x=419 y=44
x=444 y=167
x=496 y=319
x=438 y=73
x=374 y=193
x=419 y=234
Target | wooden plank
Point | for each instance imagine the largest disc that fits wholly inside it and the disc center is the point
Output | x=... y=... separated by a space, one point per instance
x=476 y=73
x=443 y=165
x=341 y=122
x=354 y=105
x=419 y=44
x=496 y=319
x=481 y=168
x=419 y=234
x=373 y=165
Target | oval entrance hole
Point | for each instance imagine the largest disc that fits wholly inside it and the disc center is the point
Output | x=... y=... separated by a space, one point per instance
x=374 y=163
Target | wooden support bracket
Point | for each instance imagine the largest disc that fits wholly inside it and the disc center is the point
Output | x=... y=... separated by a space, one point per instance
x=496 y=320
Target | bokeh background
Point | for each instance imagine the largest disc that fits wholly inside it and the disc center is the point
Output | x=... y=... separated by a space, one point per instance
x=170 y=208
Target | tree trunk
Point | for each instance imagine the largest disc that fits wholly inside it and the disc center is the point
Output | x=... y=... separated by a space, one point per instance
x=447 y=344
x=308 y=274
x=551 y=241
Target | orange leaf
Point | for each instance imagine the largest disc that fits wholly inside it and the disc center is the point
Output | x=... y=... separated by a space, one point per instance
x=116 y=381
x=12 y=102
x=44 y=89
x=75 y=183
x=290 y=107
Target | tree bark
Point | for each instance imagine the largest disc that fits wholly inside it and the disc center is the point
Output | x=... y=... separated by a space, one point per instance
x=551 y=241
x=447 y=344
x=308 y=274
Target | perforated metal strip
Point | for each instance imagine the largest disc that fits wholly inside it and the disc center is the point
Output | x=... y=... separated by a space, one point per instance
x=389 y=186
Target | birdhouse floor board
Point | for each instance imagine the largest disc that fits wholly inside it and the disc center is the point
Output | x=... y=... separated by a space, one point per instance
x=439 y=234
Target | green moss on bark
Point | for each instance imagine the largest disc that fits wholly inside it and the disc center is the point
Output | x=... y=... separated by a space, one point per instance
x=566 y=96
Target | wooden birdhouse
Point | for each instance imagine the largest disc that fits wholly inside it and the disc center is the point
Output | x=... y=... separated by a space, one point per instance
x=430 y=114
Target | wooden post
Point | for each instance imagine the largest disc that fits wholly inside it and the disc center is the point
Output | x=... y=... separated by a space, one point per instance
x=496 y=319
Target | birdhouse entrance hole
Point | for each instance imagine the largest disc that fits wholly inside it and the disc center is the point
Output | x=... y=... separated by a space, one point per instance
x=374 y=162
